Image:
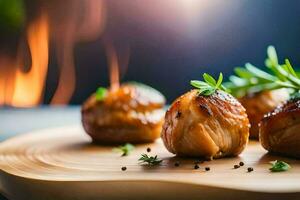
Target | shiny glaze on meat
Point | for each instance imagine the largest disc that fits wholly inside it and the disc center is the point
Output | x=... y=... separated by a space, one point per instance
x=257 y=105
x=129 y=114
x=280 y=129
x=206 y=126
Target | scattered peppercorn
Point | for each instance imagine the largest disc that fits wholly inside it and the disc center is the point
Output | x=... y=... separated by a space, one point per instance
x=176 y=164
x=148 y=149
x=241 y=163
x=250 y=169
x=236 y=166
x=124 y=168
x=207 y=168
x=196 y=166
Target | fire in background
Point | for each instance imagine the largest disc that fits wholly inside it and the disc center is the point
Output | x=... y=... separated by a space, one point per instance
x=41 y=27
x=38 y=24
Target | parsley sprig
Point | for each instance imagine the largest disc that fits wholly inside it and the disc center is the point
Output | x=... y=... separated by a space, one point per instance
x=124 y=149
x=279 y=166
x=250 y=79
x=150 y=160
x=101 y=93
x=209 y=85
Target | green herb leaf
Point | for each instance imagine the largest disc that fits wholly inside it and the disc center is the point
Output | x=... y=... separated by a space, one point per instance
x=150 y=160
x=290 y=68
x=124 y=149
x=209 y=79
x=242 y=72
x=220 y=79
x=272 y=55
x=210 y=85
x=250 y=79
x=198 y=84
x=101 y=93
x=279 y=166
x=258 y=73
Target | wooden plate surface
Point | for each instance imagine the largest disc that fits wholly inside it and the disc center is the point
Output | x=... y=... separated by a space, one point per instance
x=62 y=163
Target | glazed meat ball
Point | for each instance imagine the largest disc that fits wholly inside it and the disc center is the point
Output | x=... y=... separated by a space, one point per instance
x=279 y=130
x=132 y=113
x=212 y=126
x=259 y=104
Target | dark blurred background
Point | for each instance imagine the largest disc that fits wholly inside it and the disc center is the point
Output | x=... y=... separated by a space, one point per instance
x=161 y=43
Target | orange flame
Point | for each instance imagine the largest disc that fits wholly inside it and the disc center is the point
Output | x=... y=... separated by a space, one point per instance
x=113 y=67
x=91 y=26
x=117 y=60
x=25 y=89
x=67 y=78
x=7 y=76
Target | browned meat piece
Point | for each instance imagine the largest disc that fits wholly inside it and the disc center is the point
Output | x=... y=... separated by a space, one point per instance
x=133 y=113
x=259 y=104
x=280 y=129
x=212 y=126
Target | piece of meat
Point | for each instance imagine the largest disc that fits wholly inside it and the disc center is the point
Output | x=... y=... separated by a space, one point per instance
x=133 y=113
x=280 y=129
x=259 y=104
x=212 y=126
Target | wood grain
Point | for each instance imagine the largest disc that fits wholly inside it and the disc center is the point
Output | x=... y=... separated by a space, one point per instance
x=62 y=163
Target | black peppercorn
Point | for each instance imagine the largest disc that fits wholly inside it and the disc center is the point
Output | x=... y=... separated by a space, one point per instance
x=241 y=164
x=148 y=149
x=196 y=166
x=250 y=169
x=236 y=166
x=176 y=164
x=207 y=168
x=124 y=168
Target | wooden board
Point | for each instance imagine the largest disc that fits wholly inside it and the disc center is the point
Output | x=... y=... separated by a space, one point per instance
x=62 y=163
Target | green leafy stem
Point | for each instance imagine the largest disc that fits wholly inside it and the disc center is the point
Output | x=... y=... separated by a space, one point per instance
x=209 y=85
x=250 y=79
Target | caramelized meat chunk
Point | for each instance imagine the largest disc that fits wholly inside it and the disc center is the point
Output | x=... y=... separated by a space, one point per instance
x=280 y=129
x=132 y=113
x=209 y=126
x=259 y=104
